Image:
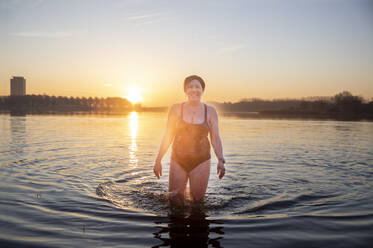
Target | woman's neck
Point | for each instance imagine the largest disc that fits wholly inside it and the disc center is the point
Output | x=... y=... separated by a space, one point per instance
x=194 y=103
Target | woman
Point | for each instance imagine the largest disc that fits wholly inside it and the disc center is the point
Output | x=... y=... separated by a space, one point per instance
x=187 y=127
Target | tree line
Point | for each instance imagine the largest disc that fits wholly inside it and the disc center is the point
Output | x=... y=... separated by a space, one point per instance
x=343 y=104
x=45 y=103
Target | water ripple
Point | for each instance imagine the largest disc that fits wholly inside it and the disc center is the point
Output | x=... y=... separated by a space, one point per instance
x=90 y=183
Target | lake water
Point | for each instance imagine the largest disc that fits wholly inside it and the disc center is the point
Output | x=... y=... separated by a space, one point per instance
x=87 y=181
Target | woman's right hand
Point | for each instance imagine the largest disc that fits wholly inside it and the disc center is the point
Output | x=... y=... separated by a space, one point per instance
x=158 y=169
x=221 y=169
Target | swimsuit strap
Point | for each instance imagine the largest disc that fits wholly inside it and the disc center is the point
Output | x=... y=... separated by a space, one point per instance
x=205 y=113
x=181 y=114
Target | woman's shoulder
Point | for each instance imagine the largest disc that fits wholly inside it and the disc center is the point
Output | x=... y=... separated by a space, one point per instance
x=210 y=109
x=175 y=109
x=176 y=106
x=212 y=115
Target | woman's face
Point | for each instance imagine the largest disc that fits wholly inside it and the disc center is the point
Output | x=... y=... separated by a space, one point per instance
x=194 y=90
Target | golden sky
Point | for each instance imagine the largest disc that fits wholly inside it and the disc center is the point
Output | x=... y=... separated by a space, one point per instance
x=242 y=49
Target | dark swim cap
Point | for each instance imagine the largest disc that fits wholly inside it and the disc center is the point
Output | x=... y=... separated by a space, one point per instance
x=194 y=77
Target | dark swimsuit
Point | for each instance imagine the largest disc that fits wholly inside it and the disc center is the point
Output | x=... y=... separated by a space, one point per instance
x=191 y=146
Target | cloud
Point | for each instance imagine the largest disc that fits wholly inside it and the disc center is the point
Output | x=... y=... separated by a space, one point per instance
x=108 y=85
x=231 y=48
x=148 y=18
x=40 y=34
x=145 y=16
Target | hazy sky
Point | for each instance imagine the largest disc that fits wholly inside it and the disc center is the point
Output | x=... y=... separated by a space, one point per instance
x=243 y=49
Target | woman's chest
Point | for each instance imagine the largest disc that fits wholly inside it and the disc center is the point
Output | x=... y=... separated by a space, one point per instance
x=194 y=117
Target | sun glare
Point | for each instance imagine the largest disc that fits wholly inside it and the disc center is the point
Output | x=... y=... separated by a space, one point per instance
x=134 y=95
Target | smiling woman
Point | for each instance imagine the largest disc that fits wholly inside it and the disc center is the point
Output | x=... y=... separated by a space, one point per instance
x=188 y=126
x=134 y=95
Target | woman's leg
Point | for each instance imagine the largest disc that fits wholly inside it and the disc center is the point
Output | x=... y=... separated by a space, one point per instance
x=198 y=180
x=178 y=179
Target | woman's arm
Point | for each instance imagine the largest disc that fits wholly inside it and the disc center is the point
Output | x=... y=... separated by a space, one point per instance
x=166 y=140
x=216 y=142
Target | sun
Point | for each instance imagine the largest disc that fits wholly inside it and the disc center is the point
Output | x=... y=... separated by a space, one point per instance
x=134 y=95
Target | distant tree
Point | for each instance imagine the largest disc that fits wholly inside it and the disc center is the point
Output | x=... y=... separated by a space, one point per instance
x=96 y=103
x=71 y=101
x=77 y=101
x=53 y=101
x=305 y=105
x=59 y=101
x=2 y=103
x=348 y=103
x=118 y=103
x=84 y=102
x=102 y=103
x=90 y=103
x=368 y=107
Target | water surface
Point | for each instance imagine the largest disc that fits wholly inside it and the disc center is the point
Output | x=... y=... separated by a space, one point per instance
x=73 y=181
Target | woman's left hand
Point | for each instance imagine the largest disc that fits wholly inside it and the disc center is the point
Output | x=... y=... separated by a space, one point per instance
x=220 y=169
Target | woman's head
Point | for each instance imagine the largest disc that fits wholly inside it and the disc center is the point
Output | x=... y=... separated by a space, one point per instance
x=194 y=79
x=194 y=87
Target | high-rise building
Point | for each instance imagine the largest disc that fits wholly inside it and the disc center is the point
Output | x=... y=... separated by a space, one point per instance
x=18 y=86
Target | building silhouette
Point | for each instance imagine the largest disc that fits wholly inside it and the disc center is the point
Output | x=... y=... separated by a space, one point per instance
x=18 y=86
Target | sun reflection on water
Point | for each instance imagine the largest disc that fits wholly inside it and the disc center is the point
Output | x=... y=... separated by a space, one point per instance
x=133 y=122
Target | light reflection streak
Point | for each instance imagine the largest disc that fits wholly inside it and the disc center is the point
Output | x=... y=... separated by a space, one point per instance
x=133 y=122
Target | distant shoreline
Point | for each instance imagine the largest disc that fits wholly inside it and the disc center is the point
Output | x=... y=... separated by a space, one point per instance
x=343 y=106
x=299 y=115
x=236 y=114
